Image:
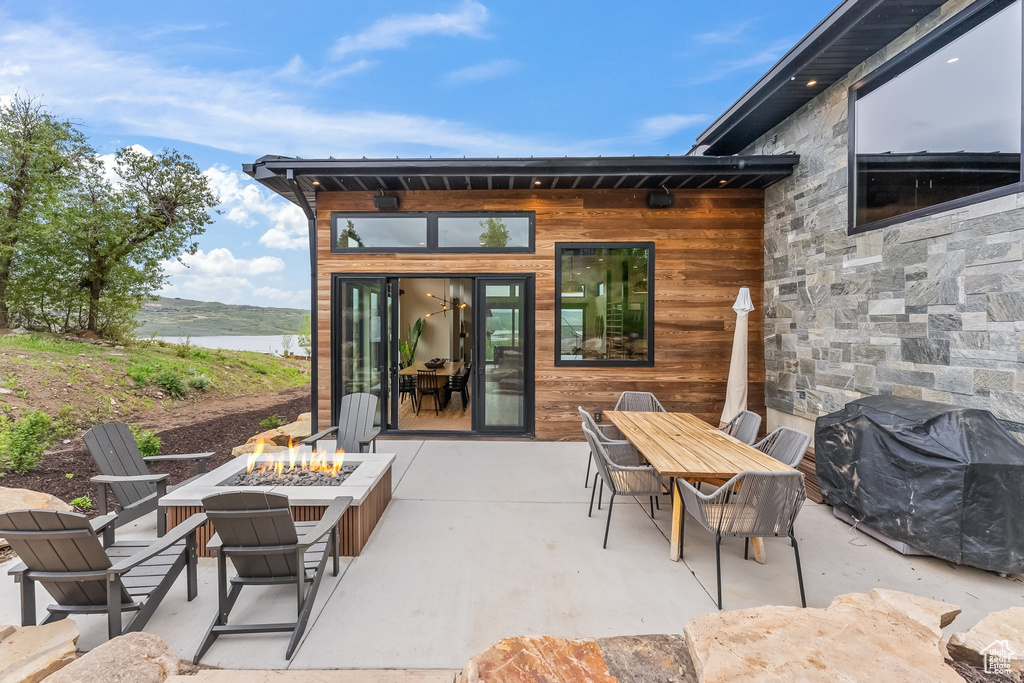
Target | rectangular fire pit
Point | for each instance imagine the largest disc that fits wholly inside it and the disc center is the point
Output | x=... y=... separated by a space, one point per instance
x=369 y=484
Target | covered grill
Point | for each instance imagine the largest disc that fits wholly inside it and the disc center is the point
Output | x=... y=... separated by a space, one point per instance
x=948 y=481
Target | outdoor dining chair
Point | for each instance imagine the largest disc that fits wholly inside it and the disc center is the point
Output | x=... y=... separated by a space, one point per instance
x=63 y=552
x=639 y=401
x=751 y=504
x=354 y=430
x=743 y=427
x=125 y=471
x=256 y=531
x=605 y=433
x=785 y=445
x=622 y=480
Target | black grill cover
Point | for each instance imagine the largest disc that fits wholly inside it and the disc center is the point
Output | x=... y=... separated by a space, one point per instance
x=946 y=480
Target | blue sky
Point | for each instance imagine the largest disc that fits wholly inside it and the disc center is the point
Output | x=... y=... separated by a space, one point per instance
x=229 y=82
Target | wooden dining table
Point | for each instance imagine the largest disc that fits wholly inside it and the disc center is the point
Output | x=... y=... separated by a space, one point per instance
x=683 y=445
x=443 y=373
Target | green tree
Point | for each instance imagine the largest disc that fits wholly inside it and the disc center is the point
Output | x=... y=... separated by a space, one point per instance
x=495 y=233
x=349 y=235
x=39 y=158
x=160 y=207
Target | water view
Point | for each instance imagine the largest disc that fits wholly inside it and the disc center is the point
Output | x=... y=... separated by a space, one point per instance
x=269 y=343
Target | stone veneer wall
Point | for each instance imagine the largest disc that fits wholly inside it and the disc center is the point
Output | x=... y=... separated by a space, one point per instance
x=931 y=308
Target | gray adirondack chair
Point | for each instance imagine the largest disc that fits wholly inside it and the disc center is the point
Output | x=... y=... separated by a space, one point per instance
x=125 y=472
x=354 y=428
x=63 y=552
x=256 y=531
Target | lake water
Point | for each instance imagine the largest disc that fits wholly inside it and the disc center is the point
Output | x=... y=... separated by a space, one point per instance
x=259 y=343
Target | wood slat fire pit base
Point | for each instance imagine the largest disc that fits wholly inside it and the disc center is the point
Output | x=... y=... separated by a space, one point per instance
x=354 y=528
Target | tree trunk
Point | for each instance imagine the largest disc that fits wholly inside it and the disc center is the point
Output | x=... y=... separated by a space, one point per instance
x=95 y=289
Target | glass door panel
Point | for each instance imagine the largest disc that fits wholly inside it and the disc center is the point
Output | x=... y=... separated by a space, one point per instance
x=504 y=378
x=360 y=340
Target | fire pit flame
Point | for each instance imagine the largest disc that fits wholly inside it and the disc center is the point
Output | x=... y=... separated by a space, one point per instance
x=295 y=460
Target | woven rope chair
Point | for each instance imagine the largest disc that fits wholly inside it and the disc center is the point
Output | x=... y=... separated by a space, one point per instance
x=623 y=479
x=751 y=504
x=639 y=401
x=785 y=445
x=604 y=432
x=743 y=427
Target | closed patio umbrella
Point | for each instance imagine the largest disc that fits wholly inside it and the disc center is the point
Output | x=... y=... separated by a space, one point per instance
x=736 y=389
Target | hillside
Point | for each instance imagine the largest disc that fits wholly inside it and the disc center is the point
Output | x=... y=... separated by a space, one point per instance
x=186 y=318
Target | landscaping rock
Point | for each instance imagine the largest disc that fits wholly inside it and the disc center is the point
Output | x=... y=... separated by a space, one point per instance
x=251 y=448
x=649 y=658
x=24 y=499
x=527 y=659
x=132 y=658
x=304 y=417
x=271 y=436
x=879 y=636
x=1000 y=630
x=31 y=653
x=297 y=430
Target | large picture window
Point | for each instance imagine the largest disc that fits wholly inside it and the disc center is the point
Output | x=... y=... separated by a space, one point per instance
x=434 y=231
x=604 y=312
x=940 y=126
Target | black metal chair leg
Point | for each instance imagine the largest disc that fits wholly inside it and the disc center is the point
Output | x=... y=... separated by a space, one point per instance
x=593 y=490
x=746 y=546
x=608 y=524
x=682 y=529
x=590 y=461
x=799 y=573
x=718 y=566
x=600 y=492
x=657 y=504
x=652 y=507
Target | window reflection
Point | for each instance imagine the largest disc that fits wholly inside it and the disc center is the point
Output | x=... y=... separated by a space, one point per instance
x=604 y=304
x=356 y=232
x=946 y=128
x=488 y=231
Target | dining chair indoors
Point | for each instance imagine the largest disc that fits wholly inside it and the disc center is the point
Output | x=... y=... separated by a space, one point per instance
x=751 y=504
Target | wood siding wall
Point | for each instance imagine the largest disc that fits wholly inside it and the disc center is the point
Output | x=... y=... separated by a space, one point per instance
x=706 y=246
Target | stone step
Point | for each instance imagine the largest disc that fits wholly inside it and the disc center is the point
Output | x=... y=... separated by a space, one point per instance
x=321 y=676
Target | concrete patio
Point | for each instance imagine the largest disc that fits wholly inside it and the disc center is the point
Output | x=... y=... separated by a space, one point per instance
x=488 y=539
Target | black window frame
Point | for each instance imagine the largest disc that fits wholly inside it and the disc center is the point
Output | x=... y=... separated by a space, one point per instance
x=958 y=25
x=431 y=245
x=604 y=362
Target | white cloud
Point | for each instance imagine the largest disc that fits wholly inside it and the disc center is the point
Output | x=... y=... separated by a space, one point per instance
x=220 y=263
x=663 y=126
x=483 y=72
x=109 y=162
x=763 y=58
x=252 y=112
x=9 y=68
x=245 y=202
x=727 y=35
x=395 y=31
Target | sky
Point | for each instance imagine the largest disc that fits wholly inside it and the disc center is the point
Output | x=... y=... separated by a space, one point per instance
x=229 y=82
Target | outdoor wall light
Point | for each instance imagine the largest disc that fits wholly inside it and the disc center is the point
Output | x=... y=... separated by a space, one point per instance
x=385 y=202
x=660 y=200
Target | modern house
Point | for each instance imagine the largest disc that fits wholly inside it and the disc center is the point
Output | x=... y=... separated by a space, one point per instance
x=866 y=189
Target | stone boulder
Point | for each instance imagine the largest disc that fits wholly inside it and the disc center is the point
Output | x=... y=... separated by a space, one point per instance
x=885 y=635
x=304 y=417
x=999 y=634
x=132 y=658
x=527 y=659
x=24 y=499
x=298 y=430
x=31 y=653
x=271 y=436
x=251 y=448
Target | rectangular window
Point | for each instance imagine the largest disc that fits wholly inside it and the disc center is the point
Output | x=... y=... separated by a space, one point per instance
x=941 y=126
x=604 y=304
x=432 y=232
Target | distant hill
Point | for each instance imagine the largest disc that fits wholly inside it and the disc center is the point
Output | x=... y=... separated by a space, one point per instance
x=184 y=317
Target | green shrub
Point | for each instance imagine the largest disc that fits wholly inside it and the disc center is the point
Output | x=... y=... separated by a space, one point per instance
x=169 y=381
x=147 y=441
x=199 y=381
x=201 y=355
x=259 y=367
x=82 y=503
x=23 y=441
x=142 y=373
x=183 y=348
x=272 y=422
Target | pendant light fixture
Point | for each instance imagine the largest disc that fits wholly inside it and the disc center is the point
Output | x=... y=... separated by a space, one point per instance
x=572 y=286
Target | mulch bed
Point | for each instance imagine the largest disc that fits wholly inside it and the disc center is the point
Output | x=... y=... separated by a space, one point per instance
x=219 y=434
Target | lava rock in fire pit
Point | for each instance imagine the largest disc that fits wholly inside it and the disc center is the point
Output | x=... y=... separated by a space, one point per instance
x=293 y=477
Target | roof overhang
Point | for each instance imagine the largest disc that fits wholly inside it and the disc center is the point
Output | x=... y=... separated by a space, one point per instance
x=846 y=38
x=298 y=180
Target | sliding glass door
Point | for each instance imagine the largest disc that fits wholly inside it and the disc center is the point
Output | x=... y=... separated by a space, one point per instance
x=360 y=335
x=504 y=372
